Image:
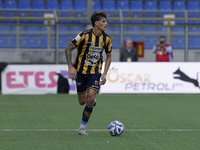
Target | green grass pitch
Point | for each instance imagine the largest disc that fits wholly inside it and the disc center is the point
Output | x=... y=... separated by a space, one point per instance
x=49 y=122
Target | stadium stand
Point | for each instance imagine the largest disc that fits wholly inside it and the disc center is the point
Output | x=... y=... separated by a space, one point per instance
x=13 y=42
x=76 y=29
x=150 y=15
x=178 y=42
x=136 y=38
x=136 y=15
x=193 y=29
x=193 y=5
x=22 y=30
x=63 y=41
x=3 y=42
x=37 y=14
x=115 y=41
x=53 y=4
x=8 y=14
x=79 y=15
x=66 y=5
x=23 y=14
x=165 y=5
x=1 y=5
x=97 y=5
x=193 y=40
x=31 y=42
x=134 y=33
x=150 y=41
x=134 y=29
x=178 y=38
x=109 y=29
x=162 y=31
x=116 y=29
x=112 y=6
x=24 y=4
x=80 y=5
x=179 y=5
x=193 y=15
x=4 y=30
x=10 y=4
x=109 y=5
x=43 y=41
x=38 y=4
x=123 y=5
x=125 y=15
x=110 y=14
x=136 y=5
x=22 y=40
x=52 y=42
x=63 y=28
x=180 y=15
x=151 y=5
x=65 y=15
x=162 y=16
x=33 y=30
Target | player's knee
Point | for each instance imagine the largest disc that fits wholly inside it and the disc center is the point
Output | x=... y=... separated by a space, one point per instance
x=82 y=99
x=81 y=102
x=90 y=100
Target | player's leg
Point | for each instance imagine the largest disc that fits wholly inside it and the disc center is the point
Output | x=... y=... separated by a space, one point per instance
x=82 y=98
x=93 y=85
x=95 y=101
x=87 y=111
x=91 y=96
x=81 y=88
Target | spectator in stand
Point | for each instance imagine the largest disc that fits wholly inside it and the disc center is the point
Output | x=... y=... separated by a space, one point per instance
x=128 y=54
x=163 y=51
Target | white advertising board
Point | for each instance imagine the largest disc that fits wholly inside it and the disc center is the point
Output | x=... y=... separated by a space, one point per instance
x=34 y=79
x=152 y=77
x=121 y=78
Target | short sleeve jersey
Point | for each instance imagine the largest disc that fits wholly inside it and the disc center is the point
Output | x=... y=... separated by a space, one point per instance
x=90 y=47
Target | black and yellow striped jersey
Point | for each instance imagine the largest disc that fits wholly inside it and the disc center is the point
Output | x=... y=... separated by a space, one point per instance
x=90 y=47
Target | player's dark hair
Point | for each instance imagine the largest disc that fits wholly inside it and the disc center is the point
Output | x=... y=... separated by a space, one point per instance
x=162 y=37
x=98 y=15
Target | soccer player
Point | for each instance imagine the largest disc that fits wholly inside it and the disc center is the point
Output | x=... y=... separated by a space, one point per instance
x=90 y=45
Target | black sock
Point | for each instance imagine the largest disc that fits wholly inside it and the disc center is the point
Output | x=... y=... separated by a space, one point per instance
x=87 y=113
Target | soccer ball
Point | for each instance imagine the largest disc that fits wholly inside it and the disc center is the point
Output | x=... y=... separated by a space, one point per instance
x=115 y=128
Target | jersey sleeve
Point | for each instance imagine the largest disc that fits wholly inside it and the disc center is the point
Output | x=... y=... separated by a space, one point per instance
x=169 y=49
x=154 y=49
x=108 y=48
x=76 y=41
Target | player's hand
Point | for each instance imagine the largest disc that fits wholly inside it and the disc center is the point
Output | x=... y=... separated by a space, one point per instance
x=103 y=79
x=72 y=73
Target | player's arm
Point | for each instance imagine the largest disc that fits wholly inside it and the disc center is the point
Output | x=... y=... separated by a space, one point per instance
x=107 y=65
x=108 y=51
x=74 y=43
x=72 y=70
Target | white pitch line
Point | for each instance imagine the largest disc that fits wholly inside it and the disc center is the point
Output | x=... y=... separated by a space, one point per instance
x=100 y=130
